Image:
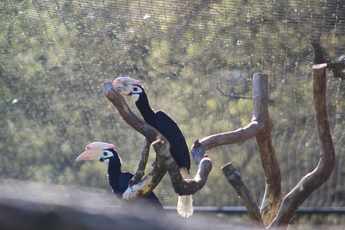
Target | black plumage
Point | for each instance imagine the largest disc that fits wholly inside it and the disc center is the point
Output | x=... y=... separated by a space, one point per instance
x=148 y=206
x=166 y=126
x=119 y=180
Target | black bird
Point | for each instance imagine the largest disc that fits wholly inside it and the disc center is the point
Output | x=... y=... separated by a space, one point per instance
x=166 y=126
x=118 y=180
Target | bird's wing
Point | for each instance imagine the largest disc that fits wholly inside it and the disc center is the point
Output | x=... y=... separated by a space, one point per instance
x=178 y=146
x=124 y=179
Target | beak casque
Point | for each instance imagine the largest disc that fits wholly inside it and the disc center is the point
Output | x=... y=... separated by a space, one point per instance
x=90 y=155
x=94 y=151
x=127 y=80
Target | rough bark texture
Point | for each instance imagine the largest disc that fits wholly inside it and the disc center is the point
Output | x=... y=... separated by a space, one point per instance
x=260 y=127
x=201 y=146
x=313 y=180
x=142 y=162
x=234 y=178
x=183 y=186
x=271 y=200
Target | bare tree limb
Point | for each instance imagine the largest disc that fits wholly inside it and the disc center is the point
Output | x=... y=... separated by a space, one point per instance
x=234 y=178
x=271 y=201
x=313 y=180
x=201 y=146
x=183 y=186
x=260 y=127
x=142 y=162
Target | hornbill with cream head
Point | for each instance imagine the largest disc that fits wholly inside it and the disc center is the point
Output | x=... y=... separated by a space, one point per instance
x=166 y=126
x=118 y=180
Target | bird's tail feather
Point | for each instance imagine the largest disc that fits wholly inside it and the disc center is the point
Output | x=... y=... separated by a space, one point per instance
x=185 y=203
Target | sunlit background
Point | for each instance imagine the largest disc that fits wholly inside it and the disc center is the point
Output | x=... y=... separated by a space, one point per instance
x=193 y=58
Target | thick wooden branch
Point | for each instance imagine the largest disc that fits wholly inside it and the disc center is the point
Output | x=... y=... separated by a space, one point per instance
x=142 y=162
x=164 y=160
x=183 y=186
x=137 y=188
x=130 y=118
x=201 y=146
x=260 y=127
x=313 y=180
x=235 y=180
x=271 y=201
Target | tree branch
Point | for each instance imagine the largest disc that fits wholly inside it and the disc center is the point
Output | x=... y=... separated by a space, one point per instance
x=183 y=186
x=142 y=162
x=137 y=188
x=271 y=201
x=234 y=178
x=130 y=118
x=260 y=127
x=313 y=180
x=201 y=146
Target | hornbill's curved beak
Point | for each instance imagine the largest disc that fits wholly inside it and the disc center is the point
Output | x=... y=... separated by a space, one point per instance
x=90 y=155
x=94 y=151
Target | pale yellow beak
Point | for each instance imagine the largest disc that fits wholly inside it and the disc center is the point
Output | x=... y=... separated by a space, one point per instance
x=90 y=155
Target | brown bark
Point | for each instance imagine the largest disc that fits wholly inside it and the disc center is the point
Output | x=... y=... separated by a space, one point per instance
x=313 y=180
x=142 y=162
x=201 y=146
x=271 y=201
x=260 y=127
x=183 y=186
x=234 y=178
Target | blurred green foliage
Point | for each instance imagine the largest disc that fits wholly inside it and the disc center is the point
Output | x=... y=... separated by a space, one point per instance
x=54 y=55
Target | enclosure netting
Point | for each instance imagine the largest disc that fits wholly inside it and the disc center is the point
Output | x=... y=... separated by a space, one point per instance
x=196 y=60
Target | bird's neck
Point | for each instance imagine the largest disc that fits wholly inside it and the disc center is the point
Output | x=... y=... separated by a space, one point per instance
x=114 y=168
x=144 y=107
x=114 y=172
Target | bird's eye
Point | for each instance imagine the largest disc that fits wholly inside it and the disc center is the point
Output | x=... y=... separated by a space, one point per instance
x=135 y=89
x=105 y=154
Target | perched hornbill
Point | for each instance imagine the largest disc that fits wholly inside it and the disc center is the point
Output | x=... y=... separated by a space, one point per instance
x=118 y=180
x=166 y=126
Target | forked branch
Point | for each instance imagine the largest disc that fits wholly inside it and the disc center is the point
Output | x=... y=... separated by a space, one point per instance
x=313 y=180
x=260 y=127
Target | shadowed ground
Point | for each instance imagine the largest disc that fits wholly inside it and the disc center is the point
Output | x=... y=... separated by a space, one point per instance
x=36 y=206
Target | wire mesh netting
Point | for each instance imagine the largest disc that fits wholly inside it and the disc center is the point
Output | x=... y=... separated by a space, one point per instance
x=195 y=59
